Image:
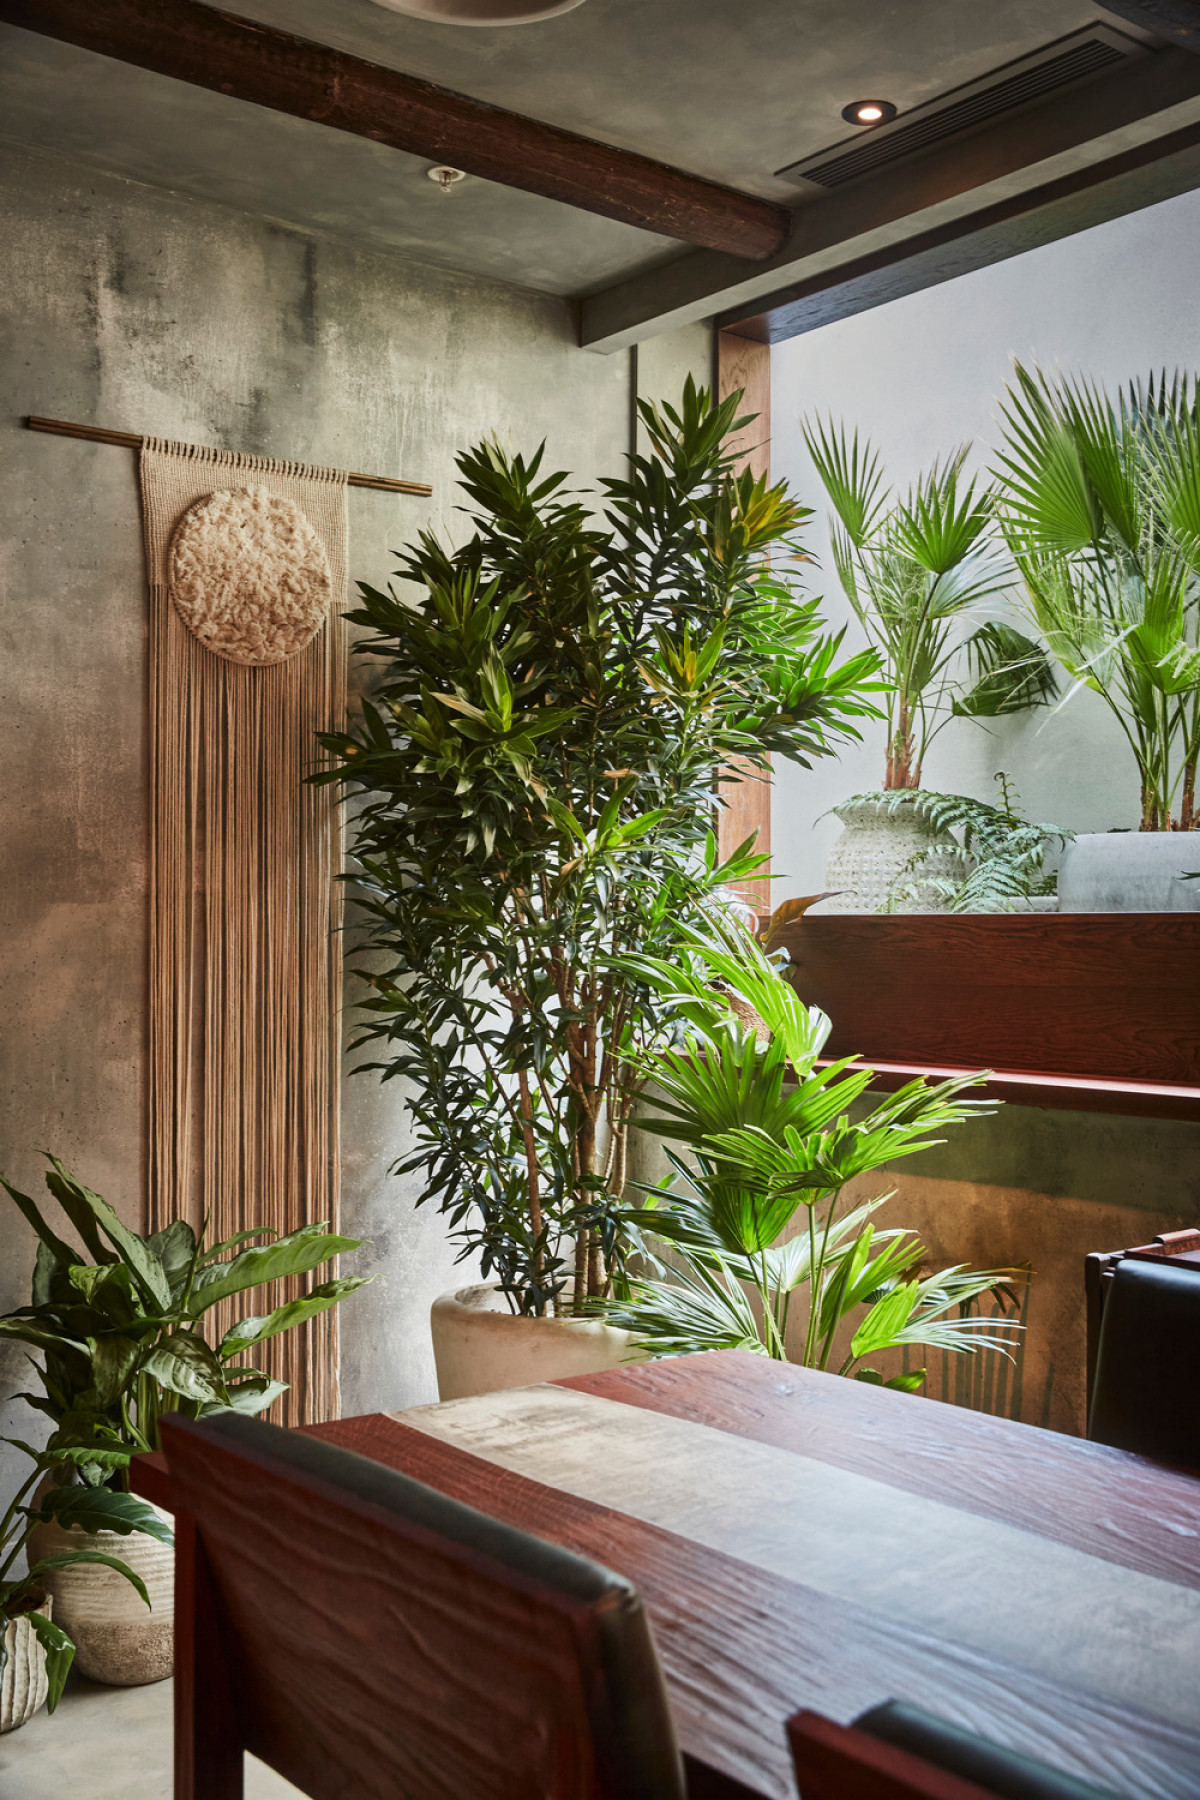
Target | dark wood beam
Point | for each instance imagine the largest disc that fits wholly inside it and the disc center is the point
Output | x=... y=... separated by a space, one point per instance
x=1087 y=197
x=1176 y=20
x=195 y=43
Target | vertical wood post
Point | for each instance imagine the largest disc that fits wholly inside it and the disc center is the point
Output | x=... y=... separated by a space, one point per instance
x=208 y=1742
x=744 y=363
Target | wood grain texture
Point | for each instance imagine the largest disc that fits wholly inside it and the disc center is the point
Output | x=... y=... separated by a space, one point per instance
x=1108 y=1503
x=212 y=49
x=742 y=1651
x=745 y=792
x=834 y=1762
x=371 y=1651
x=1109 y=995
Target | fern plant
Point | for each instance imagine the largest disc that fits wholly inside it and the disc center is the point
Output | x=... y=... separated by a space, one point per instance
x=1006 y=851
x=767 y=1136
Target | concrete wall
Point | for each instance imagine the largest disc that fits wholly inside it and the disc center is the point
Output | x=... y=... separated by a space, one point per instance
x=127 y=306
x=920 y=376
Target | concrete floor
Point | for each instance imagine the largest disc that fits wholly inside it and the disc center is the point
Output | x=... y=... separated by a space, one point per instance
x=106 y=1744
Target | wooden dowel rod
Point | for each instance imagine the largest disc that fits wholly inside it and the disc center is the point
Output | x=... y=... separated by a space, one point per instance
x=96 y=434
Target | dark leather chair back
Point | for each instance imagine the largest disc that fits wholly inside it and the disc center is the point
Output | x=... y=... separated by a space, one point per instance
x=1144 y=1397
x=363 y=1634
x=900 y=1752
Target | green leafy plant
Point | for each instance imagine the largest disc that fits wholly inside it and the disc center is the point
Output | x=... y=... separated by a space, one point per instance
x=119 y=1326
x=912 y=569
x=536 y=768
x=1099 y=500
x=87 y=1508
x=769 y=1136
x=1006 y=851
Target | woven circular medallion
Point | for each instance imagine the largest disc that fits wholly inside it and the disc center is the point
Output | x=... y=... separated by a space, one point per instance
x=249 y=576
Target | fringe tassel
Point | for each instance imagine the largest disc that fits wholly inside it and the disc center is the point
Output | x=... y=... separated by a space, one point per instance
x=245 y=956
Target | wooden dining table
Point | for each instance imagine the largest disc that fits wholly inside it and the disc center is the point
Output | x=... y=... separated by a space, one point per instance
x=801 y=1540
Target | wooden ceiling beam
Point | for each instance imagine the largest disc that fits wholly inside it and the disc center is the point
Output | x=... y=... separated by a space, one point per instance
x=210 y=49
x=1176 y=20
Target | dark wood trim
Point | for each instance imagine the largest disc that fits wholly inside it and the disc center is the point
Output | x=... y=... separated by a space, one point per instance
x=1093 y=1010
x=1088 y=196
x=746 y=812
x=1135 y=1099
x=249 y=61
x=1176 y=20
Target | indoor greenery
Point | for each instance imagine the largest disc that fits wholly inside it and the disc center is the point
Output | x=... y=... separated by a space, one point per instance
x=88 y=1508
x=913 y=570
x=1006 y=852
x=536 y=770
x=764 y=1138
x=1099 y=500
x=119 y=1325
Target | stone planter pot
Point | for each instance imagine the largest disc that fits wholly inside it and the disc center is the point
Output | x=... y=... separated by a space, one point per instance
x=117 y=1641
x=479 y=1346
x=1129 y=871
x=873 y=852
x=23 y=1685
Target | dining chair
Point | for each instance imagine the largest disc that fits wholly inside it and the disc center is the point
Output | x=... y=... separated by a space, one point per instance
x=363 y=1634
x=1149 y=1348
x=1099 y=1267
x=900 y=1752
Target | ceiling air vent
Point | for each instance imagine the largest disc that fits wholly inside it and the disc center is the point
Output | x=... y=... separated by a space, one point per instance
x=1063 y=64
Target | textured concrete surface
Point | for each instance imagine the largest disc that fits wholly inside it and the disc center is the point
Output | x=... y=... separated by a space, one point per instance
x=128 y=307
x=731 y=93
x=105 y=1743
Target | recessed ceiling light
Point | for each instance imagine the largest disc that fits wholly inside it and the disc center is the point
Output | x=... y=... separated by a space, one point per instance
x=481 y=12
x=868 y=112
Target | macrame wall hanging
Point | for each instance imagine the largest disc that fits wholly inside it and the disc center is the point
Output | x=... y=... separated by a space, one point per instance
x=247 y=567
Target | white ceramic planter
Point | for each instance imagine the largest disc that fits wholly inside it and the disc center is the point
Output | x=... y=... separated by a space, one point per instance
x=872 y=855
x=480 y=1346
x=1129 y=871
x=23 y=1685
x=117 y=1641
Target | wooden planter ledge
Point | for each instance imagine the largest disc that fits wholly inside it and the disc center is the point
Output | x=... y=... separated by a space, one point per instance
x=1098 y=1012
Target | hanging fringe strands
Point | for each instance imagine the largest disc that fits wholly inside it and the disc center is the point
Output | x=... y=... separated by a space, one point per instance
x=96 y=434
x=247 y=567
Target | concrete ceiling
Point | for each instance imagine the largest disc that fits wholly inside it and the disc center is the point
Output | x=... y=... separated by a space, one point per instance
x=731 y=92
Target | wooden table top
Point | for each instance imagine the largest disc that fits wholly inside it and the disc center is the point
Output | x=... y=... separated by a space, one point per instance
x=803 y=1540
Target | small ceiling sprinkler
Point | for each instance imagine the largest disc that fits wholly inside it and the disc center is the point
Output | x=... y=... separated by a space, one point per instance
x=446 y=177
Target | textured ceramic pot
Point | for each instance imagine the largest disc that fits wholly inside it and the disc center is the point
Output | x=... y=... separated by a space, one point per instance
x=1130 y=871
x=23 y=1685
x=873 y=855
x=117 y=1641
x=480 y=1347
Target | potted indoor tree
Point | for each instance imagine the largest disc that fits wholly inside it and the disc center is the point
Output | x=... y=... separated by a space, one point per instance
x=535 y=773
x=118 y=1326
x=769 y=1136
x=1099 y=500
x=35 y=1651
x=915 y=571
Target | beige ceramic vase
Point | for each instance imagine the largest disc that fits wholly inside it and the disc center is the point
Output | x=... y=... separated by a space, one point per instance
x=117 y=1641
x=481 y=1347
x=23 y=1685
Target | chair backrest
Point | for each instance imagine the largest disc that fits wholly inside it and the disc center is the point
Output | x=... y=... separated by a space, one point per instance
x=900 y=1752
x=364 y=1634
x=1144 y=1395
x=1100 y=1266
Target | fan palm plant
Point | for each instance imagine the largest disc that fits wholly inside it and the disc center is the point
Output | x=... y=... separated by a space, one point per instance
x=912 y=569
x=1100 y=504
x=769 y=1135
